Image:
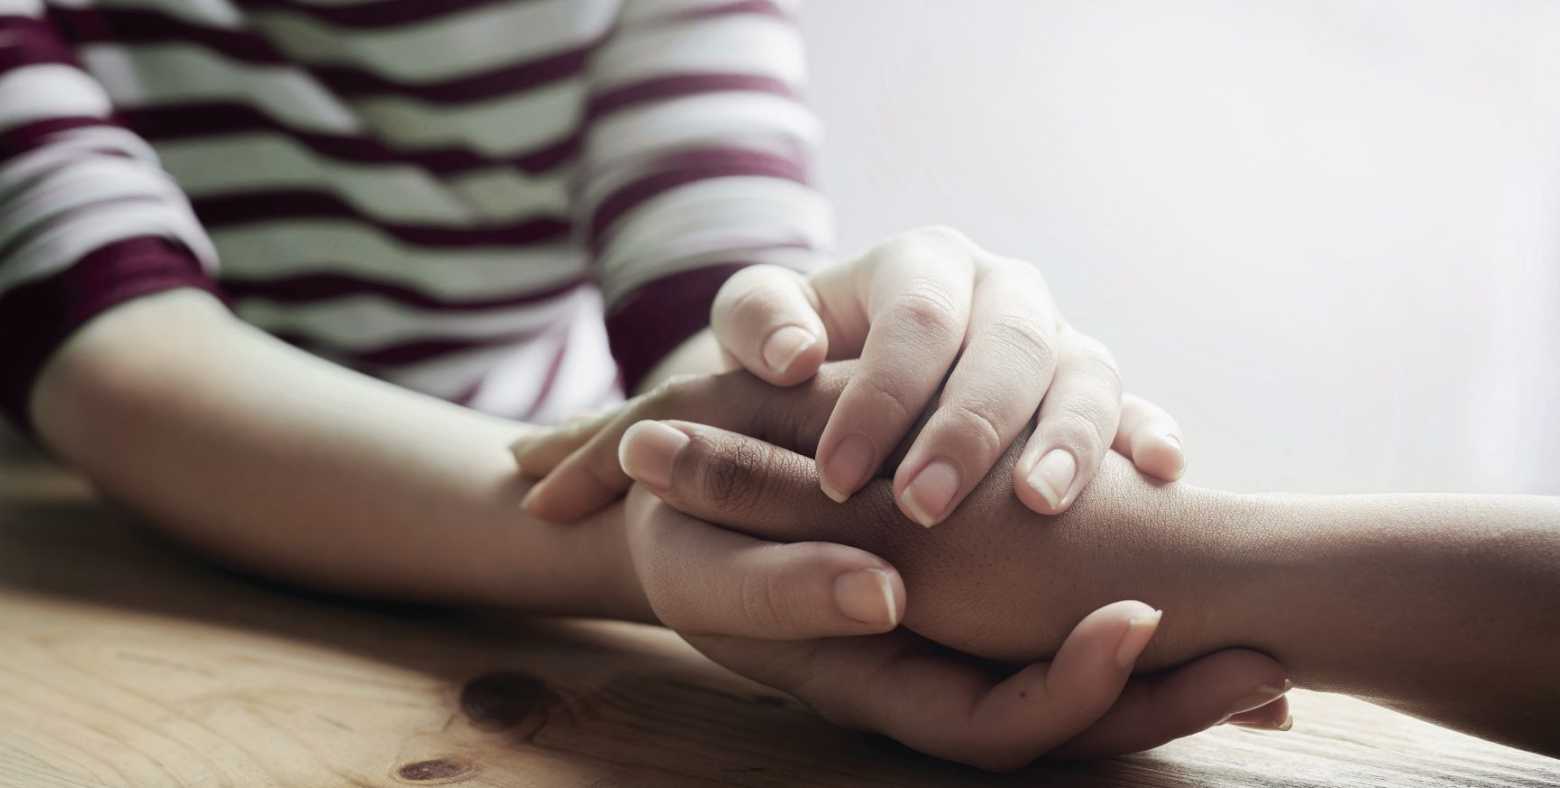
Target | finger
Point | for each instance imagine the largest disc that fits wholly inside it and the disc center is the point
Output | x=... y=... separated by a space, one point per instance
x=1044 y=705
x=995 y=388
x=539 y=451
x=585 y=479
x=1151 y=438
x=590 y=477
x=950 y=707
x=738 y=481
x=1274 y=716
x=766 y=317
x=1076 y=423
x=702 y=579
x=1180 y=702
x=916 y=290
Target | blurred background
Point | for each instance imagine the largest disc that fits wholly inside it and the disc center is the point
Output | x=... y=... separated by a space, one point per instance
x=1325 y=235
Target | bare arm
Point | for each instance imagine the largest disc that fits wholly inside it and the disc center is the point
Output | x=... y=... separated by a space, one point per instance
x=1446 y=607
x=1441 y=606
x=286 y=464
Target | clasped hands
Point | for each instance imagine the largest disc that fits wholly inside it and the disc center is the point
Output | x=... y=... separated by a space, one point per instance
x=968 y=640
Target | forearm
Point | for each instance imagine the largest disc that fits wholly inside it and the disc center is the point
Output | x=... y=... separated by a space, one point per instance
x=1443 y=606
x=291 y=466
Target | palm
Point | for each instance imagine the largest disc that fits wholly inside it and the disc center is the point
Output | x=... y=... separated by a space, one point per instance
x=945 y=703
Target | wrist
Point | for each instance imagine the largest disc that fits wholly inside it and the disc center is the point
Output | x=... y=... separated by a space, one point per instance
x=1300 y=579
x=621 y=594
x=1187 y=551
x=1239 y=566
x=574 y=569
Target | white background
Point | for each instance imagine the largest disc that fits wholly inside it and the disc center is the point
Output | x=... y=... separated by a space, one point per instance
x=1326 y=235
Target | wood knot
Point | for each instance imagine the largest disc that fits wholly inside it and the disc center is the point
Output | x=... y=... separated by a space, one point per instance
x=502 y=700
x=437 y=770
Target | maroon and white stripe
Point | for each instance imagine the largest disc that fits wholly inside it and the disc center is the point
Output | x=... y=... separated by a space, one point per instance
x=430 y=192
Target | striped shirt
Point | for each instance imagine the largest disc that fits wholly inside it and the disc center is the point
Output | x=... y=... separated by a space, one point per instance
x=519 y=205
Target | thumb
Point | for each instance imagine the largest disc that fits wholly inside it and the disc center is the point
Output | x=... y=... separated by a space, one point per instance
x=766 y=317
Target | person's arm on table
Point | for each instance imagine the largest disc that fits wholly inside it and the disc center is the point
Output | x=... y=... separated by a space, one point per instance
x=1442 y=606
x=266 y=457
x=114 y=354
x=289 y=465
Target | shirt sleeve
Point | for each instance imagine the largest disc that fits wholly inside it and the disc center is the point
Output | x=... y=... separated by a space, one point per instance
x=88 y=218
x=695 y=162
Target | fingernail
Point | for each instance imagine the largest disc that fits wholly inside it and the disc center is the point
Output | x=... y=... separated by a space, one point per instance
x=521 y=444
x=867 y=595
x=1289 y=722
x=1177 y=456
x=927 y=496
x=1135 y=639
x=518 y=452
x=647 y=451
x=784 y=345
x=519 y=448
x=528 y=503
x=1259 y=697
x=847 y=469
x=1053 y=474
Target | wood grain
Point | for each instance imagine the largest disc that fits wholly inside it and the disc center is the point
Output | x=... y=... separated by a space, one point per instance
x=126 y=662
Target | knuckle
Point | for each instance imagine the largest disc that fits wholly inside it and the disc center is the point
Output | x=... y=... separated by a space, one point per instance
x=794 y=424
x=889 y=396
x=880 y=516
x=1078 y=430
x=755 y=408
x=736 y=475
x=752 y=292
x=968 y=424
x=1025 y=341
x=926 y=308
x=740 y=303
x=760 y=602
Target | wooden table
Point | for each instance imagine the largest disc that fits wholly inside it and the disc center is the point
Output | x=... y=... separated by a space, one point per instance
x=125 y=661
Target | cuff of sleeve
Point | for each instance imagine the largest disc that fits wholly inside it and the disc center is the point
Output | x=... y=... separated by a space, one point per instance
x=37 y=317
x=652 y=321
